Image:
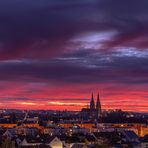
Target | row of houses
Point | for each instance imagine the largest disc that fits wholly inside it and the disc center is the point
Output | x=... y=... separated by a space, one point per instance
x=70 y=138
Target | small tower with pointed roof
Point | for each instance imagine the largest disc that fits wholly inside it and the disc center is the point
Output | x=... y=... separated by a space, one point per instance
x=92 y=102
x=98 y=107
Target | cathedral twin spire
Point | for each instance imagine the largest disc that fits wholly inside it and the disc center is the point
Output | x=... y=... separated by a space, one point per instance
x=92 y=102
x=98 y=104
x=95 y=109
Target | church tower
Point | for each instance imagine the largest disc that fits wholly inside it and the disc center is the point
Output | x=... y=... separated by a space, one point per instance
x=98 y=108
x=92 y=102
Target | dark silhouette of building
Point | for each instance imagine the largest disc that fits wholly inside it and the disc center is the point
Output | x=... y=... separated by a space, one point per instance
x=98 y=108
x=92 y=102
x=93 y=113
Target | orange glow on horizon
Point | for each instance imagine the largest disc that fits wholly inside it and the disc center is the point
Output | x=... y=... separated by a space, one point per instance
x=73 y=97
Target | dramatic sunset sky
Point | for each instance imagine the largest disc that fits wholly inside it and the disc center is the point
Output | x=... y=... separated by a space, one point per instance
x=55 y=53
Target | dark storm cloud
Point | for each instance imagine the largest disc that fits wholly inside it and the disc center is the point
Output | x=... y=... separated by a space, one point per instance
x=130 y=19
x=41 y=28
x=37 y=28
x=83 y=68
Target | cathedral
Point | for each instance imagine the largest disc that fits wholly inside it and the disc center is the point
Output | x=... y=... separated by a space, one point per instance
x=93 y=112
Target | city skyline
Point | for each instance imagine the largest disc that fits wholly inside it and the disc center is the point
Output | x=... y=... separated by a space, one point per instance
x=54 y=54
